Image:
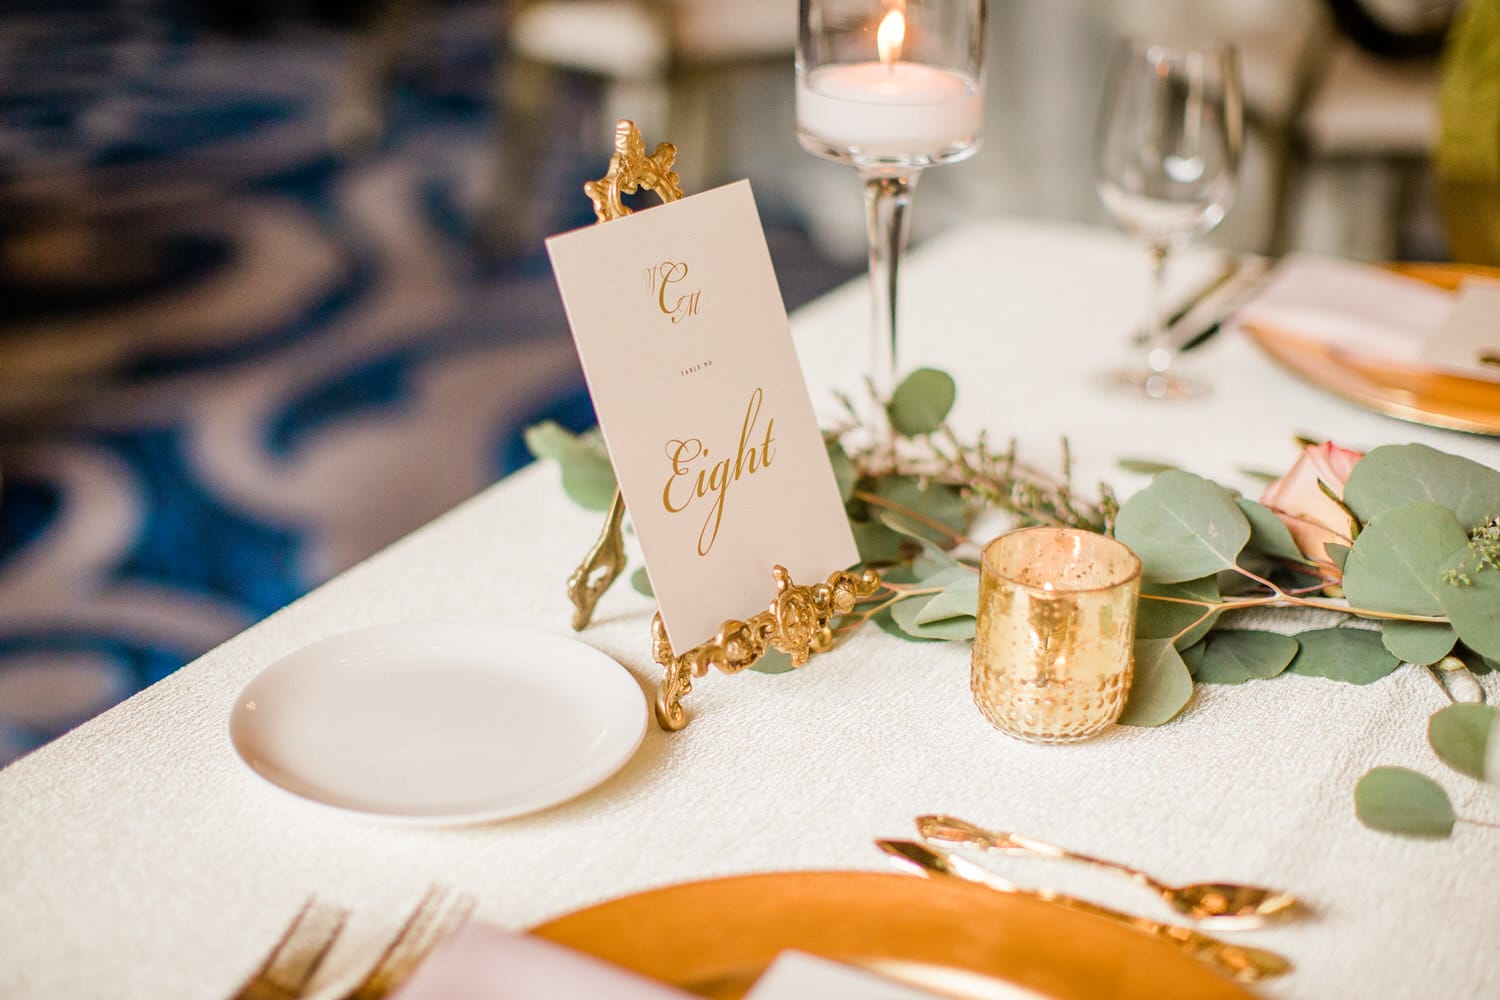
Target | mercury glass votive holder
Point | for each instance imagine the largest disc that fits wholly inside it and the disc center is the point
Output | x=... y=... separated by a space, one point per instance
x=1052 y=647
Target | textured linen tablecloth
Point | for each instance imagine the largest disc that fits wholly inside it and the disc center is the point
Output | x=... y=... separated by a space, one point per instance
x=139 y=858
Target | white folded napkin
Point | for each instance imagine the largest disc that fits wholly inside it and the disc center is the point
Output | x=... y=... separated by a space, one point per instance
x=481 y=962
x=1469 y=341
x=1355 y=307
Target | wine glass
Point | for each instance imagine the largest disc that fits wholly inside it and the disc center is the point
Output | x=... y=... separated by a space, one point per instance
x=889 y=87
x=1165 y=160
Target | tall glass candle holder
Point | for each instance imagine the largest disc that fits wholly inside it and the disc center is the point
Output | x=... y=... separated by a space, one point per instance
x=891 y=87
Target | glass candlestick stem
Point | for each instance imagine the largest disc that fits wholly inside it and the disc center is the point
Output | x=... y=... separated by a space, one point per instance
x=890 y=87
x=887 y=200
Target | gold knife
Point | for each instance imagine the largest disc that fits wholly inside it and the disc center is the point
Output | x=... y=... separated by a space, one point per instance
x=1243 y=963
x=1197 y=296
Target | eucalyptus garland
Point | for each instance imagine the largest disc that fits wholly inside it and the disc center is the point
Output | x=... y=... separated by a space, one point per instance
x=1397 y=551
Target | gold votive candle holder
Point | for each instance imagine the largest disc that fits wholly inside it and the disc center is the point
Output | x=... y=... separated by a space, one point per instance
x=1052 y=646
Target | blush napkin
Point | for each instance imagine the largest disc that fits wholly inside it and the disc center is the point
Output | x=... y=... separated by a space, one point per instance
x=481 y=962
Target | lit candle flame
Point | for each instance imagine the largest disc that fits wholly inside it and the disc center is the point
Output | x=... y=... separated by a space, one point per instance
x=890 y=35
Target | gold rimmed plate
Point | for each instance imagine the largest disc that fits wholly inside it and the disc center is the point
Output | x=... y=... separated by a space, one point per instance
x=714 y=938
x=1399 y=389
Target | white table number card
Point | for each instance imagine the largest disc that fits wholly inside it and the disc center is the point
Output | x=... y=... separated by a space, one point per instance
x=689 y=359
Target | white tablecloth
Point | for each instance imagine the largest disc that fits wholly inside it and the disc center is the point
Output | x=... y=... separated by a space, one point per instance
x=138 y=858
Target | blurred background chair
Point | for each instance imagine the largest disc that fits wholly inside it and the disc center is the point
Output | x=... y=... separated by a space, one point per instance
x=1359 y=175
x=662 y=63
x=1468 y=160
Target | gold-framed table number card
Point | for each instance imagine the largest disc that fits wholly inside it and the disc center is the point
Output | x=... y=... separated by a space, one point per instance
x=688 y=355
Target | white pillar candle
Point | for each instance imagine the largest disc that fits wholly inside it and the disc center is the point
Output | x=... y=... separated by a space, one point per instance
x=890 y=109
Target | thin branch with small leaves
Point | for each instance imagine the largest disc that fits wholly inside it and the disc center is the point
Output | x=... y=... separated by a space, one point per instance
x=988 y=478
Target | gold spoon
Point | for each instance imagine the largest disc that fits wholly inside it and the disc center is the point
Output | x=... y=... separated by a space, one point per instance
x=1242 y=962
x=1223 y=904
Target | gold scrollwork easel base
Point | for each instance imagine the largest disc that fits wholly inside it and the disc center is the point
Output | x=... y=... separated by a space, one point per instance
x=798 y=622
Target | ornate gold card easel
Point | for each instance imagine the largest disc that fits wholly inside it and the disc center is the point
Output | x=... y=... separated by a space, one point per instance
x=798 y=621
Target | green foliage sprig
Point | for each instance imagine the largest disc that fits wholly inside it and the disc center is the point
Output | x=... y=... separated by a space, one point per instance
x=1419 y=582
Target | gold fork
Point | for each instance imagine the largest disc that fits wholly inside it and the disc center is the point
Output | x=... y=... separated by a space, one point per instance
x=436 y=917
x=297 y=954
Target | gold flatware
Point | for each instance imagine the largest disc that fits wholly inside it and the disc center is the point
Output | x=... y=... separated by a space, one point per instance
x=297 y=954
x=1241 y=962
x=1207 y=317
x=436 y=916
x=1199 y=295
x=1222 y=904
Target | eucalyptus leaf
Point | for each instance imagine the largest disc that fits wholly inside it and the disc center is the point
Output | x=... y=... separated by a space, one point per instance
x=904 y=573
x=773 y=662
x=1183 y=527
x=1355 y=655
x=1260 y=474
x=886 y=623
x=1396 y=475
x=1268 y=533
x=877 y=544
x=1234 y=656
x=949 y=576
x=551 y=440
x=1460 y=736
x=1478 y=665
x=1418 y=642
x=587 y=477
x=1399 y=800
x=903 y=525
x=933 y=559
x=590 y=484
x=958 y=600
x=1145 y=466
x=1339 y=554
x=1474 y=607
x=905 y=614
x=921 y=402
x=1395 y=562
x=1165 y=619
x=641 y=582
x=844 y=473
x=933 y=501
x=1160 y=686
x=1193 y=657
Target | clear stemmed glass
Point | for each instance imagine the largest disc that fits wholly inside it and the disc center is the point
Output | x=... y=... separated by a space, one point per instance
x=891 y=87
x=1165 y=162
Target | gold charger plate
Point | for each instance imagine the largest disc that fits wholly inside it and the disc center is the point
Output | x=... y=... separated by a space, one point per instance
x=713 y=938
x=1408 y=392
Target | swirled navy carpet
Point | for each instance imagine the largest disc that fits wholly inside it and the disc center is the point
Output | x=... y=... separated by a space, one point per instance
x=233 y=363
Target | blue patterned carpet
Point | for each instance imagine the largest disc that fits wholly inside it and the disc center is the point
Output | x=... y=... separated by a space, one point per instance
x=233 y=363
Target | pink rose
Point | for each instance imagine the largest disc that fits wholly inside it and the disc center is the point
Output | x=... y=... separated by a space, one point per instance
x=1312 y=517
